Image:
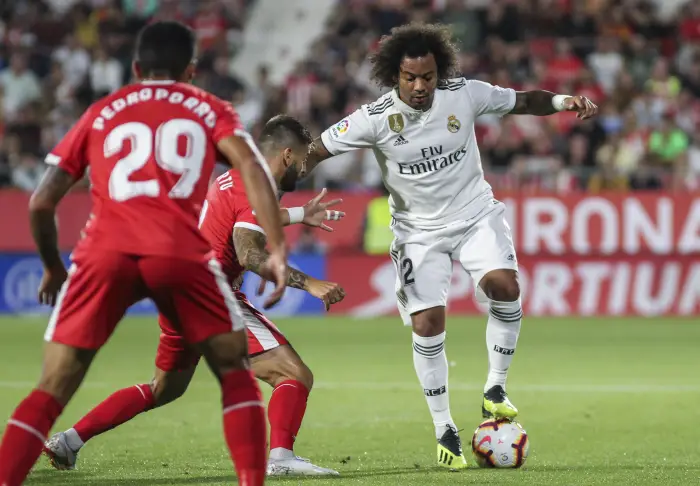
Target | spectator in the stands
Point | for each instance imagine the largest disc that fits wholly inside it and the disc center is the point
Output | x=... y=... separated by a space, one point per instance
x=607 y=62
x=668 y=143
x=19 y=85
x=27 y=172
x=106 y=74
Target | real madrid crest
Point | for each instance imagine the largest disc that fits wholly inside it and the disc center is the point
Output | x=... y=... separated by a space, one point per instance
x=453 y=124
x=396 y=123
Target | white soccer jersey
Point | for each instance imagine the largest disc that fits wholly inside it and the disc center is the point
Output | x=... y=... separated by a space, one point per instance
x=429 y=159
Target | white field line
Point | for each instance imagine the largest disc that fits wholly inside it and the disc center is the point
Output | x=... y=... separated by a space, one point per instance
x=406 y=386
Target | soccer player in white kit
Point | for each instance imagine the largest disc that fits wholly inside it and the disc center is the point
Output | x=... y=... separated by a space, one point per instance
x=422 y=134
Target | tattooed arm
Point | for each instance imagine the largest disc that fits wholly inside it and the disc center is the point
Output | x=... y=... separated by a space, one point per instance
x=539 y=103
x=250 y=248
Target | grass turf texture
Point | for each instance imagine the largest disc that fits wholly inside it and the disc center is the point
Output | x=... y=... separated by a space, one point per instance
x=605 y=401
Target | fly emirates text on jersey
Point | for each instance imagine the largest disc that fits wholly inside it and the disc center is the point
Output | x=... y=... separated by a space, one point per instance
x=434 y=160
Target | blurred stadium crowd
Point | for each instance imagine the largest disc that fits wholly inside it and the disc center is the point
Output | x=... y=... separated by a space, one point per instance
x=642 y=68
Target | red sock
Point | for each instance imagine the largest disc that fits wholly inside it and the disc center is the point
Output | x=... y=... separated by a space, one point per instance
x=286 y=412
x=118 y=408
x=24 y=436
x=244 y=426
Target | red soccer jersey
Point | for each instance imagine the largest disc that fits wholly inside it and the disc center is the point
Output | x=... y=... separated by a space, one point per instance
x=227 y=207
x=151 y=149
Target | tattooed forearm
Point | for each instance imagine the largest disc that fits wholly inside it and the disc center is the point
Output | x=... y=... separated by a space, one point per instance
x=537 y=103
x=297 y=279
x=251 y=252
x=42 y=214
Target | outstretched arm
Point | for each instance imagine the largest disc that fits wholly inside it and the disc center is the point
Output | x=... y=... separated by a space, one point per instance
x=543 y=103
x=355 y=131
x=318 y=154
x=250 y=248
x=314 y=213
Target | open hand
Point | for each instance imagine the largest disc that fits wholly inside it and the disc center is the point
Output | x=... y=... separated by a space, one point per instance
x=316 y=212
x=583 y=107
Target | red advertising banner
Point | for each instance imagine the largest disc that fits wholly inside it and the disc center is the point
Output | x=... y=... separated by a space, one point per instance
x=649 y=223
x=74 y=210
x=551 y=286
x=579 y=224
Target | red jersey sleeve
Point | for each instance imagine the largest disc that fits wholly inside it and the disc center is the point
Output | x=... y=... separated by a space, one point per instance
x=71 y=152
x=227 y=122
x=245 y=218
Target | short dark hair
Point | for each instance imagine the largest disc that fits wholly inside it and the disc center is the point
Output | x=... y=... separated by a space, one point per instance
x=283 y=131
x=414 y=40
x=165 y=49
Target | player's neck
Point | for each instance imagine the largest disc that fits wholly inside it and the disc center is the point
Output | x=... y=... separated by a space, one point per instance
x=397 y=94
x=158 y=80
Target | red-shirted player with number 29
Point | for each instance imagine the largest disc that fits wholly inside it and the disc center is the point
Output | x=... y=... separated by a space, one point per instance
x=233 y=230
x=151 y=149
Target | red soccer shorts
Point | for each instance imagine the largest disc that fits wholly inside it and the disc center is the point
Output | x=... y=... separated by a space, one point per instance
x=102 y=285
x=175 y=354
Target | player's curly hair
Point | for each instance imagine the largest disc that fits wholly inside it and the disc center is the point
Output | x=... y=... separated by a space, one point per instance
x=414 y=40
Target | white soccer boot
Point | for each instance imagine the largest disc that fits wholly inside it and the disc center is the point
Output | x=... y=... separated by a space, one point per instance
x=295 y=466
x=61 y=456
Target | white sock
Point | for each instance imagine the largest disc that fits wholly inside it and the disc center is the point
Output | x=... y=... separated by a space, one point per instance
x=279 y=453
x=502 y=331
x=73 y=440
x=430 y=361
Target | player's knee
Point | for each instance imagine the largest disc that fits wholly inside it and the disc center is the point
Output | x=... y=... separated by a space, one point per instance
x=507 y=292
x=165 y=391
x=502 y=286
x=63 y=371
x=305 y=376
x=429 y=322
x=291 y=369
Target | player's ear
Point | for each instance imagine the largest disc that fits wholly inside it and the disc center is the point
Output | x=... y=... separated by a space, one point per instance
x=191 y=71
x=287 y=157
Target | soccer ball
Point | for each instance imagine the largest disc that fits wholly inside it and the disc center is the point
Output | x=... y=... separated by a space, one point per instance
x=500 y=443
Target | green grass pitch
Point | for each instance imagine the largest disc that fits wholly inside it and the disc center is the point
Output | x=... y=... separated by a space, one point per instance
x=605 y=401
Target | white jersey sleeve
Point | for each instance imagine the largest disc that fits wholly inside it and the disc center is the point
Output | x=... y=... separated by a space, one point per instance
x=352 y=132
x=487 y=98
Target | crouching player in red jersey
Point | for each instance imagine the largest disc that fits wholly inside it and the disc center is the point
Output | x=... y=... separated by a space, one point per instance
x=151 y=149
x=285 y=144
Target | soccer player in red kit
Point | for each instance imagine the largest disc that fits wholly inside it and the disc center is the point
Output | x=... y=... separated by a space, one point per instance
x=151 y=148
x=233 y=230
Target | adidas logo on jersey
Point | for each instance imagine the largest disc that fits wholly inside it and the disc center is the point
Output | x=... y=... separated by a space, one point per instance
x=400 y=141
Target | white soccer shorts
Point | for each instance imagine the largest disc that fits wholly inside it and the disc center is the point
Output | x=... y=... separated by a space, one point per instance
x=423 y=259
